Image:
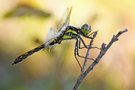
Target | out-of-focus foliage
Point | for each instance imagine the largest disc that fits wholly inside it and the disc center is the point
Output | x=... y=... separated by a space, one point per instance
x=56 y=68
x=25 y=10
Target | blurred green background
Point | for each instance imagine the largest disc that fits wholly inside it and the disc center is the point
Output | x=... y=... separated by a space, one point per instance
x=24 y=25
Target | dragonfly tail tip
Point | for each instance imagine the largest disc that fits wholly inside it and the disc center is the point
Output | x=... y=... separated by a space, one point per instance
x=14 y=63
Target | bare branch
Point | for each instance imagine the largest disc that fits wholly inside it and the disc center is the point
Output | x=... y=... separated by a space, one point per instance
x=88 y=50
x=103 y=50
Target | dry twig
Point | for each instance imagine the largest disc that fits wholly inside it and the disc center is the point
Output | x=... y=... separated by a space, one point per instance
x=103 y=50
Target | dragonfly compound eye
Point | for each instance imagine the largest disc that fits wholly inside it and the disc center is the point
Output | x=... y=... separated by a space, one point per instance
x=86 y=29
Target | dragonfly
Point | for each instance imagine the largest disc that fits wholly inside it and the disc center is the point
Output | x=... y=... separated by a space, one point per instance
x=65 y=32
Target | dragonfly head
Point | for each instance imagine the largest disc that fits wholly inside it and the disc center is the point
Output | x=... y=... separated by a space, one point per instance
x=86 y=29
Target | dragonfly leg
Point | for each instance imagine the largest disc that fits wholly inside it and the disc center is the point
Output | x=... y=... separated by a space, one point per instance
x=88 y=36
x=91 y=47
x=91 y=33
x=81 y=40
x=85 y=46
x=77 y=51
x=79 y=45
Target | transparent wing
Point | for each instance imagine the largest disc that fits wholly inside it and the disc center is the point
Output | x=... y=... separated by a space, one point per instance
x=64 y=22
x=51 y=34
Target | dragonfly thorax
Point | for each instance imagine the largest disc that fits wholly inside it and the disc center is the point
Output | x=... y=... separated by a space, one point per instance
x=86 y=29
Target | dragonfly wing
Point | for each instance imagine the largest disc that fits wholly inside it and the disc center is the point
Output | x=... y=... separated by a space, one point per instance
x=64 y=22
x=52 y=34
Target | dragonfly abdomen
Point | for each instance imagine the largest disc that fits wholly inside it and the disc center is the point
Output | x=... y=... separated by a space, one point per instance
x=25 y=55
